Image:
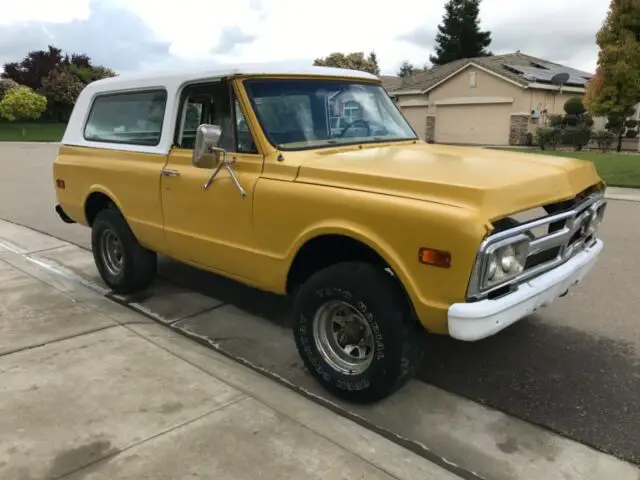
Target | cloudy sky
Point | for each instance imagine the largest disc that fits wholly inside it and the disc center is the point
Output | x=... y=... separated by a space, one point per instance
x=130 y=35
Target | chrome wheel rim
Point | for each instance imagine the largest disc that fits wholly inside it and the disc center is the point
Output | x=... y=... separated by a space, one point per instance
x=111 y=252
x=343 y=337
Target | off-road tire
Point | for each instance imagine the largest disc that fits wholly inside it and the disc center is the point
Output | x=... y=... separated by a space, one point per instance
x=140 y=265
x=399 y=338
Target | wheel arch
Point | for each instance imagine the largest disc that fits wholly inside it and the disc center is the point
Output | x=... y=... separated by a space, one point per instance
x=327 y=246
x=96 y=200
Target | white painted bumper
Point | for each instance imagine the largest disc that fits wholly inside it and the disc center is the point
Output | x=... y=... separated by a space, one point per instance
x=478 y=320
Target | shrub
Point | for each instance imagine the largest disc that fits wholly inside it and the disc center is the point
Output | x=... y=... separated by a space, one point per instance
x=631 y=124
x=6 y=84
x=631 y=133
x=588 y=121
x=577 y=136
x=22 y=103
x=548 y=137
x=528 y=139
x=604 y=139
x=574 y=106
x=572 y=120
x=556 y=120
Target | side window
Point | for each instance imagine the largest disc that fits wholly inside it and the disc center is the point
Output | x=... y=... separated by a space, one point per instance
x=244 y=139
x=208 y=103
x=131 y=118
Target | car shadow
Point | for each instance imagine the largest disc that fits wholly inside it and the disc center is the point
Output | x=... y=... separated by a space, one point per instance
x=581 y=386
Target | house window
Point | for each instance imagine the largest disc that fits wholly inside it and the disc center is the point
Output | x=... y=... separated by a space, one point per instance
x=472 y=79
x=352 y=111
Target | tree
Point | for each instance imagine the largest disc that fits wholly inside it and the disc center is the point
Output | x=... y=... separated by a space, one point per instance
x=22 y=103
x=406 y=69
x=34 y=67
x=615 y=89
x=617 y=124
x=459 y=35
x=373 y=62
x=59 y=77
x=353 y=61
x=61 y=88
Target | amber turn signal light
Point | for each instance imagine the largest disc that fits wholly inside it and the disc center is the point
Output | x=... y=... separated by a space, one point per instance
x=437 y=258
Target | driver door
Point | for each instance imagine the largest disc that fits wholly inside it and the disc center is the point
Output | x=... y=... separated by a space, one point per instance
x=211 y=227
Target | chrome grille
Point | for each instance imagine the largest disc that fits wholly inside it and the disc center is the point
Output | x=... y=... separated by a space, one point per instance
x=566 y=235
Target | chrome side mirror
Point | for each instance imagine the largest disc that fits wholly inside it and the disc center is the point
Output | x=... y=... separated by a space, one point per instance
x=206 y=153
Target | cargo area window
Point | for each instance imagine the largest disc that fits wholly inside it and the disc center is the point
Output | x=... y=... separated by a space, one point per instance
x=133 y=118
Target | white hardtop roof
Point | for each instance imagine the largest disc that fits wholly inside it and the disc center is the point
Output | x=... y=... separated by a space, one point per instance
x=177 y=77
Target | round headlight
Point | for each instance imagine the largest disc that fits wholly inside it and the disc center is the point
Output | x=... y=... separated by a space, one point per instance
x=493 y=267
x=508 y=259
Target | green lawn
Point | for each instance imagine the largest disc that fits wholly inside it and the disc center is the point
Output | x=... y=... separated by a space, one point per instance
x=616 y=169
x=33 y=132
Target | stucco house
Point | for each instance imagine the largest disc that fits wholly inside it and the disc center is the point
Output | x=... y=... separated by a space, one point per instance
x=493 y=100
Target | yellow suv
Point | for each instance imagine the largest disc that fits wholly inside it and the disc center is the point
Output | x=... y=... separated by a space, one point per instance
x=379 y=236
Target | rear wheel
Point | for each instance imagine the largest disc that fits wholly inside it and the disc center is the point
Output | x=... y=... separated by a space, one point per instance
x=354 y=331
x=124 y=265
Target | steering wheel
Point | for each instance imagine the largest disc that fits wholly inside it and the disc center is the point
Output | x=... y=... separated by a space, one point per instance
x=366 y=124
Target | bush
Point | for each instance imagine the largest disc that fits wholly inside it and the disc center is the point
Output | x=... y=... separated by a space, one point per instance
x=6 y=84
x=574 y=106
x=576 y=136
x=604 y=139
x=22 y=103
x=548 y=137
x=556 y=120
x=529 y=139
x=631 y=133
x=588 y=121
x=631 y=124
x=572 y=120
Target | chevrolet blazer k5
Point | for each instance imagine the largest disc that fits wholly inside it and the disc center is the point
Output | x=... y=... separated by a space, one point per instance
x=378 y=236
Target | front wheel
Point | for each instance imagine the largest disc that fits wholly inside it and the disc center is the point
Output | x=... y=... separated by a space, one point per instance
x=124 y=265
x=354 y=332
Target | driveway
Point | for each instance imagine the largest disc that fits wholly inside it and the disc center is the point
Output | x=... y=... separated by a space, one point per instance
x=572 y=368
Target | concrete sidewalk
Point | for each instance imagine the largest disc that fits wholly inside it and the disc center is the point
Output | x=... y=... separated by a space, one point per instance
x=619 y=193
x=90 y=389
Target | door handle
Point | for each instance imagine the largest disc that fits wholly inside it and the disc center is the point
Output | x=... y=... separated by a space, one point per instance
x=169 y=172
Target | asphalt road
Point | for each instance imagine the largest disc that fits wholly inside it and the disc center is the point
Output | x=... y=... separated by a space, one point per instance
x=573 y=367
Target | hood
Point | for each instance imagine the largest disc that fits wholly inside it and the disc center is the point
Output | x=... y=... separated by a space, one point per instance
x=494 y=182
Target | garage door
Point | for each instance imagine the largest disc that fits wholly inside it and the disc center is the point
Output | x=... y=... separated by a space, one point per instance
x=417 y=118
x=473 y=124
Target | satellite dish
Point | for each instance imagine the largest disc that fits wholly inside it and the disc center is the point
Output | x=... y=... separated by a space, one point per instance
x=560 y=78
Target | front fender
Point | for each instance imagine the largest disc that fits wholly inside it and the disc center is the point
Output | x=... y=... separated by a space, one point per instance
x=359 y=232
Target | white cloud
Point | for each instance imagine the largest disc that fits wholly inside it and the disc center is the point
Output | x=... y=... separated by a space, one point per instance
x=215 y=31
x=15 y=12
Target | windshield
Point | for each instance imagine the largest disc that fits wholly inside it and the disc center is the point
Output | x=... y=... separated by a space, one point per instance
x=297 y=114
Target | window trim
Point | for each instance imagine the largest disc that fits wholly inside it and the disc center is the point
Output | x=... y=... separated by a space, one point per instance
x=122 y=93
x=246 y=85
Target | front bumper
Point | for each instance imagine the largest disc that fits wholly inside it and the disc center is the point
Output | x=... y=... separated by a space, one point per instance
x=478 y=320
